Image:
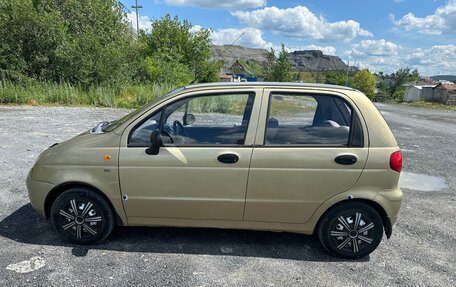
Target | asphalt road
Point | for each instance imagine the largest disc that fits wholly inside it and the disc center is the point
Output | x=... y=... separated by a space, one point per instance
x=421 y=252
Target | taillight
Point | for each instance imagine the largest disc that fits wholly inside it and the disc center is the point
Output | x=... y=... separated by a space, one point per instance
x=396 y=161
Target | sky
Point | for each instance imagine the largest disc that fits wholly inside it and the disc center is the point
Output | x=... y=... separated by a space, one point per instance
x=381 y=35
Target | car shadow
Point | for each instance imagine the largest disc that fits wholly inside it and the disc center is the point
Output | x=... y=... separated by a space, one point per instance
x=25 y=226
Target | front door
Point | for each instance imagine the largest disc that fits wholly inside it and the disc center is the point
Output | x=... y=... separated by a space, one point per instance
x=309 y=147
x=201 y=171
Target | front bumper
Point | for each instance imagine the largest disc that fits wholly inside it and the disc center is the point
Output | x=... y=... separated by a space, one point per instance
x=37 y=192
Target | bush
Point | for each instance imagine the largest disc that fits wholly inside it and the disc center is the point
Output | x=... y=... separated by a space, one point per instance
x=35 y=93
x=365 y=82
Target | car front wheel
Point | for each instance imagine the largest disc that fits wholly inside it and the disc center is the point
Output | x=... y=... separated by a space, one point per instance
x=351 y=230
x=82 y=216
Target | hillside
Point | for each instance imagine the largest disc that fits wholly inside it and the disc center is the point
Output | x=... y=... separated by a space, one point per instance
x=255 y=60
x=451 y=78
x=315 y=60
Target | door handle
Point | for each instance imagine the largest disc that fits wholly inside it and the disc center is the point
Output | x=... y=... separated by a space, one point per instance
x=346 y=159
x=228 y=158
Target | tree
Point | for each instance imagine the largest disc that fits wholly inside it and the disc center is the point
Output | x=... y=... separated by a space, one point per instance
x=281 y=67
x=84 y=42
x=365 y=82
x=336 y=78
x=30 y=34
x=173 y=45
x=271 y=58
x=383 y=88
x=400 y=78
x=415 y=75
x=99 y=47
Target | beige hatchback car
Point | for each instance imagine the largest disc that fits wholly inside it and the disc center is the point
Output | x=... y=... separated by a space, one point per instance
x=311 y=159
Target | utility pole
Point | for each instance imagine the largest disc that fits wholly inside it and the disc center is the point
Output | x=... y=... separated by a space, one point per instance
x=137 y=7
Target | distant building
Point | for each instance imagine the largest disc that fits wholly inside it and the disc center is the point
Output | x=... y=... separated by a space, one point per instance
x=238 y=73
x=238 y=68
x=412 y=93
x=445 y=93
x=416 y=93
x=426 y=81
x=229 y=78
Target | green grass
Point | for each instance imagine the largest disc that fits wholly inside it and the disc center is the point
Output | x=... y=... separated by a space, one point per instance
x=69 y=95
x=286 y=106
x=229 y=104
x=132 y=96
x=431 y=105
x=309 y=77
x=253 y=67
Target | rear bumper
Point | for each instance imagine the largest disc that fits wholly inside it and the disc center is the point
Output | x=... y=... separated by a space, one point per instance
x=37 y=192
x=391 y=201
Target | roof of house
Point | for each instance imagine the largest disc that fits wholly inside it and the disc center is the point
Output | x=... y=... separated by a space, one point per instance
x=448 y=87
x=238 y=67
x=426 y=81
x=413 y=86
x=423 y=84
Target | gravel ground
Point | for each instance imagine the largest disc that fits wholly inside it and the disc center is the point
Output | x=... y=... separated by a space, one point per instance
x=421 y=251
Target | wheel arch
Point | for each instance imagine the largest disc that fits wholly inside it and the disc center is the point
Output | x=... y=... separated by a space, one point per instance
x=376 y=206
x=56 y=191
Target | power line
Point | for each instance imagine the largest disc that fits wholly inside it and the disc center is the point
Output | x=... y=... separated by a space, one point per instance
x=197 y=74
x=243 y=33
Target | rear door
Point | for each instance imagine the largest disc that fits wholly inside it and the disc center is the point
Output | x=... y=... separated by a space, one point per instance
x=309 y=147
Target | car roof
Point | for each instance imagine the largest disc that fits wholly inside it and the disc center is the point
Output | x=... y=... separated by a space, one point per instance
x=266 y=84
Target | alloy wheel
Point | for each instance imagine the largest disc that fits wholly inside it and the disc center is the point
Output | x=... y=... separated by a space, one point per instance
x=82 y=219
x=352 y=233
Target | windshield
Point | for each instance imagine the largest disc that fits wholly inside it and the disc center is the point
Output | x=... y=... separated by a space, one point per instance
x=113 y=125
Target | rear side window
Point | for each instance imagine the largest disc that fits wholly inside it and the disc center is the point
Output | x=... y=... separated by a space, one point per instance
x=302 y=119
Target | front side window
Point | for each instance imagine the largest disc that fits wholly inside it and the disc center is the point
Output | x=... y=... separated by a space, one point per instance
x=298 y=119
x=220 y=119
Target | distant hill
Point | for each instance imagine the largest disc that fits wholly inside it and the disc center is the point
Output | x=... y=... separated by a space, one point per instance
x=315 y=60
x=255 y=60
x=451 y=78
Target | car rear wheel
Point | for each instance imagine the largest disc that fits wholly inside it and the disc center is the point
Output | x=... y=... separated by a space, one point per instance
x=82 y=216
x=351 y=230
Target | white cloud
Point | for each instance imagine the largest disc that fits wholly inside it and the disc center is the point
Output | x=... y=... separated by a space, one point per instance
x=443 y=21
x=381 y=55
x=144 y=21
x=211 y=4
x=375 y=48
x=437 y=59
x=300 y=22
x=251 y=37
x=195 y=28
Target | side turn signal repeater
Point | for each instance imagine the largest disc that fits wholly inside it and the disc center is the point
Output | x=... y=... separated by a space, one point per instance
x=107 y=157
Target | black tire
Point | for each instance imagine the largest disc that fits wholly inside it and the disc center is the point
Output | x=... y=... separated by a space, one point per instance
x=351 y=230
x=93 y=221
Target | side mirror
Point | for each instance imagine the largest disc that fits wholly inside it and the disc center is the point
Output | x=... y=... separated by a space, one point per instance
x=189 y=119
x=155 y=143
